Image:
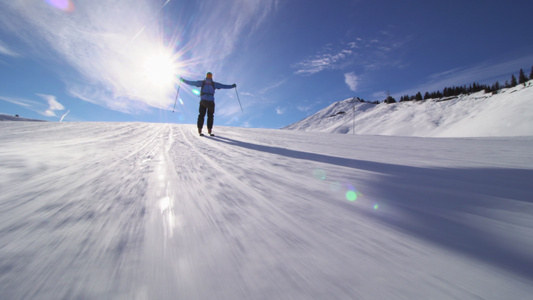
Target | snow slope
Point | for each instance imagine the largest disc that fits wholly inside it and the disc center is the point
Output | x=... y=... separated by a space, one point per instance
x=152 y=211
x=509 y=113
x=5 y=117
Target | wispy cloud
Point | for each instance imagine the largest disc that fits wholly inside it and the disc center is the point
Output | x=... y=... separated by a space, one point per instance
x=19 y=101
x=4 y=50
x=119 y=50
x=371 y=54
x=308 y=107
x=48 y=108
x=219 y=38
x=381 y=95
x=96 y=40
x=273 y=86
x=280 y=110
x=53 y=105
x=351 y=80
x=488 y=73
x=229 y=108
x=323 y=61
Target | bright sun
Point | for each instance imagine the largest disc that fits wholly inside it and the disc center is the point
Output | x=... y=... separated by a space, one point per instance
x=160 y=70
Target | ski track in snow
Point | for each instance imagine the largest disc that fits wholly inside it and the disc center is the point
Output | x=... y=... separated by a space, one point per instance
x=152 y=211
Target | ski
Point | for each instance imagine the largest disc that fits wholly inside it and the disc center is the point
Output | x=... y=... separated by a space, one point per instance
x=209 y=133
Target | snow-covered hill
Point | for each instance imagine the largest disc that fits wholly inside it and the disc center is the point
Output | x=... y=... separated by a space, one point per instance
x=509 y=113
x=152 y=211
x=4 y=117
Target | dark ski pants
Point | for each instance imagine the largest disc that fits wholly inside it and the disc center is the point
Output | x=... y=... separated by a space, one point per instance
x=209 y=108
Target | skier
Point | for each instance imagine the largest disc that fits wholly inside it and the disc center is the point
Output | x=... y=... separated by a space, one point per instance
x=207 y=102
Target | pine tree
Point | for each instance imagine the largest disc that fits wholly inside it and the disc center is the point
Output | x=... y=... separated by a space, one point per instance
x=522 y=77
x=531 y=75
x=404 y=98
x=513 y=81
x=418 y=97
x=390 y=100
x=496 y=86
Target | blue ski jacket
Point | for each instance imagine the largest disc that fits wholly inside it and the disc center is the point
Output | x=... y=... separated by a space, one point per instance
x=208 y=91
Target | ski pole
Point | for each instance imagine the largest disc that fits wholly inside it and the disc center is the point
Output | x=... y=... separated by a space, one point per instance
x=176 y=97
x=238 y=99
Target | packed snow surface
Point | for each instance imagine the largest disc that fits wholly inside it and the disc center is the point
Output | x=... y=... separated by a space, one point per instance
x=507 y=113
x=153 y=211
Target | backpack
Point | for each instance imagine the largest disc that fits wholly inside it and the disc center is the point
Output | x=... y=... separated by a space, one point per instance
x=202 y=89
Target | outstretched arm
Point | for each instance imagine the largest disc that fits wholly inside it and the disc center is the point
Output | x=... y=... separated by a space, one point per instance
x=224 y=86
x=193 y=83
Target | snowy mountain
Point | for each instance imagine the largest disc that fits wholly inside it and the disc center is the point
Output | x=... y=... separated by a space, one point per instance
x=508 y=113
x=4 y=117
x=152 y=211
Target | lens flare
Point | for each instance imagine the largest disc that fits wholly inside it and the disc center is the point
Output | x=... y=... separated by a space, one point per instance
x=376 y=206
x=350 y=192
x=319 y=174
x=351 y=196
x=196 y=92
x=64 y=5
x=349 y=186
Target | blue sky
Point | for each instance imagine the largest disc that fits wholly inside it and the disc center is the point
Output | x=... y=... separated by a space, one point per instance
x=120 y=60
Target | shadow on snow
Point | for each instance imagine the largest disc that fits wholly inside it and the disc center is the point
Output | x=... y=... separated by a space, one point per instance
x=429 y=203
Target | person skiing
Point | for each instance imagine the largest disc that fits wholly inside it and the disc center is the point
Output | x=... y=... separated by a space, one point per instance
x=207 y=99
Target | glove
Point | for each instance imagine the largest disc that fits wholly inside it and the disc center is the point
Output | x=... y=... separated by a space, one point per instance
x=234 y=85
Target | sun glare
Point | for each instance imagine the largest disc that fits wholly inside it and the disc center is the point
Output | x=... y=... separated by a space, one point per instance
x=160 y=70
x=64 y=5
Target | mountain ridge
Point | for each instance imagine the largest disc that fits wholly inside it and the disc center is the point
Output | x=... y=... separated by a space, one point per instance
x=480 y=114
x=6 y=117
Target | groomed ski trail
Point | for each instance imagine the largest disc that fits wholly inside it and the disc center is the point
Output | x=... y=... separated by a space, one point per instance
x=153 y=211
x=244 y=221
